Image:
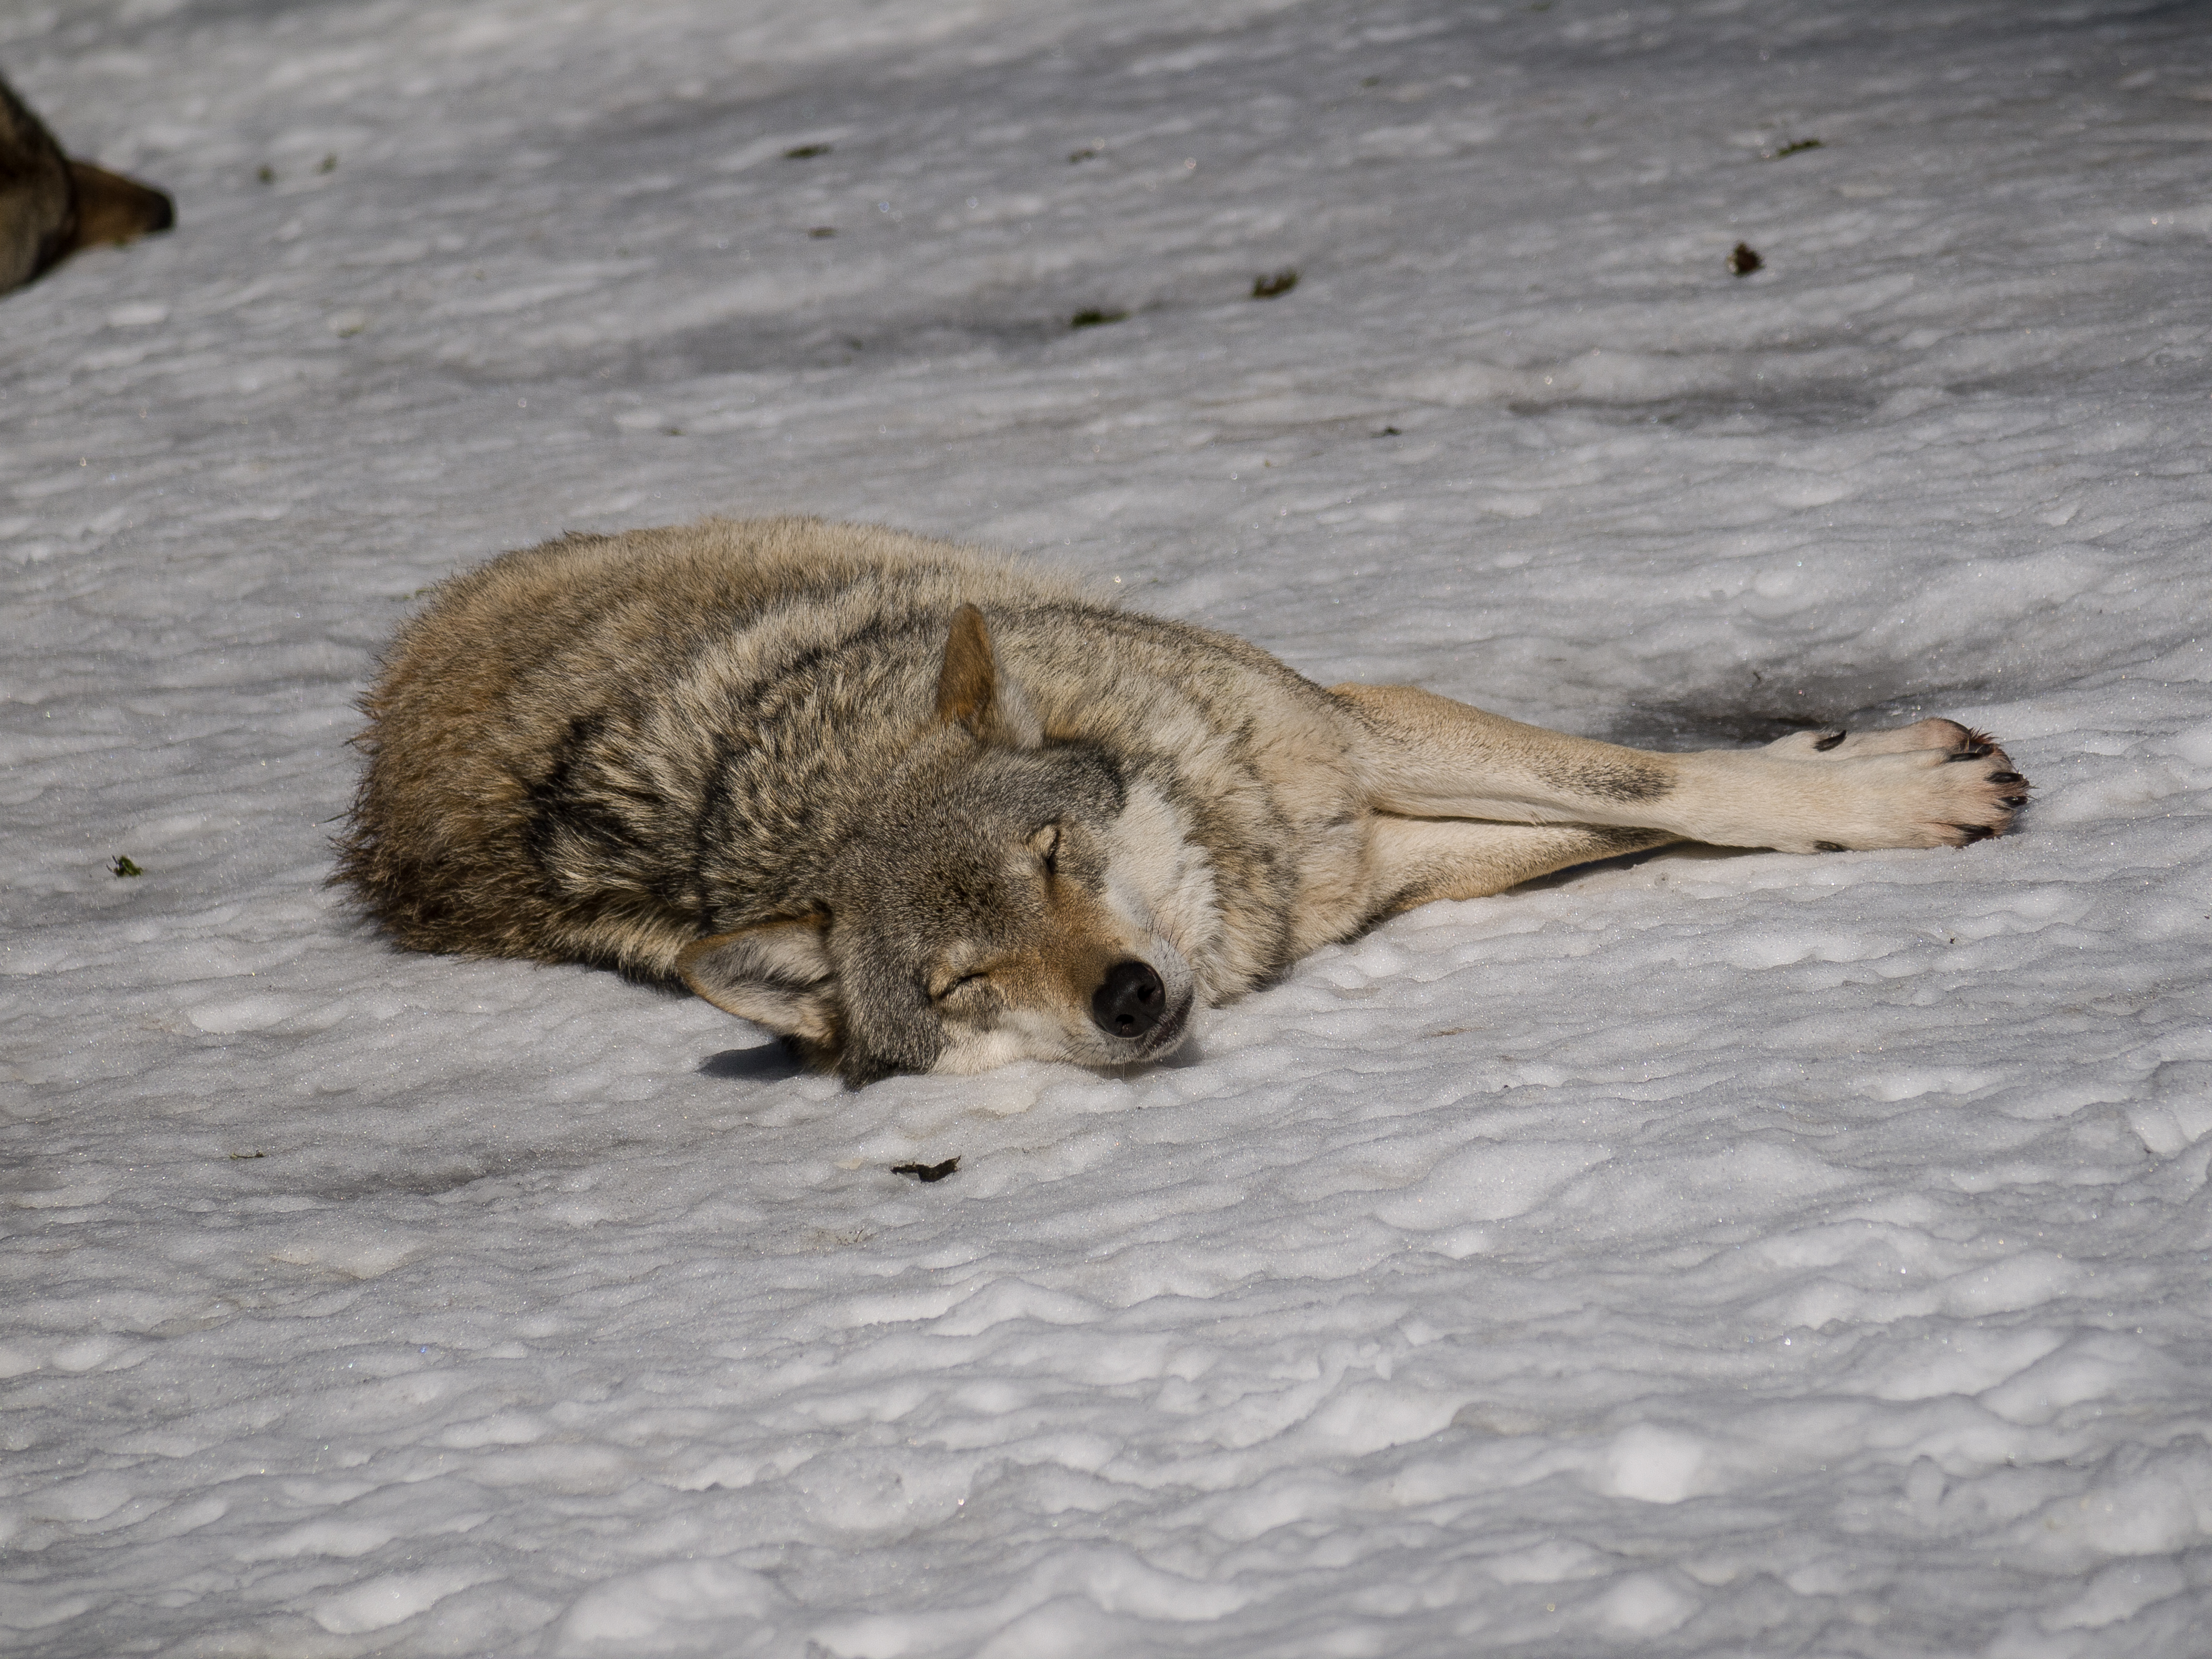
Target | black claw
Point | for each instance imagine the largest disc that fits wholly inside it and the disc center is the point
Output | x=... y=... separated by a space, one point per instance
x=1829 y=742
x=2007 y=777
x=1974 y=831
x=2012 y=803
x=1973 y=751
x=1830 y=847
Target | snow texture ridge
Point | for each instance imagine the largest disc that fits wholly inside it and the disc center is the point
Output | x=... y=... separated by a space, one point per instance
x=1702 y=1254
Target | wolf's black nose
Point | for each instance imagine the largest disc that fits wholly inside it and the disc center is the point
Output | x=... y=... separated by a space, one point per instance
x=1130 y=1002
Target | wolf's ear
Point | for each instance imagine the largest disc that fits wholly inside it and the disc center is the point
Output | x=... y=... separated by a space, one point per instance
x=111 y=207
x=975 y=690
x=776 y=974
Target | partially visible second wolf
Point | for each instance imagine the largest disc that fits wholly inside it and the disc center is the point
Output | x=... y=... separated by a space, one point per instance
x=51 y=206
x=920 y=808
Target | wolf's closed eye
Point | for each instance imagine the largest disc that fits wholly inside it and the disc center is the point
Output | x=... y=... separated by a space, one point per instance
x=941 y=992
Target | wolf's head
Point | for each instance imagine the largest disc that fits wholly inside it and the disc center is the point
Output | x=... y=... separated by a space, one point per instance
x=1005 y=898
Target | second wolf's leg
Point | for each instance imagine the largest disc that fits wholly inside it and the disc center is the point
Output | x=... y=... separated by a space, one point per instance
x=1416 y=860
x=1929 y=785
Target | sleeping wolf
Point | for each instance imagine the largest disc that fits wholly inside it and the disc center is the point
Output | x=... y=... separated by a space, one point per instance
x=919 y=808
x=51 y=206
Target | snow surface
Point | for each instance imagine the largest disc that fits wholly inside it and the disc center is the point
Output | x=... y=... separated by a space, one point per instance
x=1707 y=1253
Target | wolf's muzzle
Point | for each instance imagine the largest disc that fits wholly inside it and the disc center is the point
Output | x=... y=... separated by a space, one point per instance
x=1129 y=1002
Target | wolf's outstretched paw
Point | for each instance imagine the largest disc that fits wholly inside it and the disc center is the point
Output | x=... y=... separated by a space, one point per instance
x=1994 y=790
x=1934 y=783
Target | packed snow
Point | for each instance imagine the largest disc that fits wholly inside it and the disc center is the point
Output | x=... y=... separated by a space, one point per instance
x=1703 y=1253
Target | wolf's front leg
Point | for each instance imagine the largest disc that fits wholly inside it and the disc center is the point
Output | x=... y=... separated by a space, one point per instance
x=1933 y=784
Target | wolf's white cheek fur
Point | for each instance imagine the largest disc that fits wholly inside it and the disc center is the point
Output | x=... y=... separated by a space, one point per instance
x=1020 y=1034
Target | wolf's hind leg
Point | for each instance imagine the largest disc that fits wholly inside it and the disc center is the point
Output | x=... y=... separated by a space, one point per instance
x=1933 y=784
x=1417 y=861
